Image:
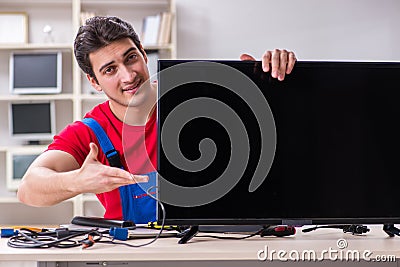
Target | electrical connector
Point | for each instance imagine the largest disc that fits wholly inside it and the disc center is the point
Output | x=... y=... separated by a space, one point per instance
x=155 y=225
x=8 y=232
x=119 y=233
x=88 y=242
x=63 y=232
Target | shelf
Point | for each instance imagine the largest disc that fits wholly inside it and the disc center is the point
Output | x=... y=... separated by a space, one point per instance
x=77 y=97
x=157 y=47
x=147 y=3
x=38 y=46
x=9 y=200
x=93 y=97
x=25 y=3
x=25 y=147
x=14 y=200
x=90 y=197
x=36 y=97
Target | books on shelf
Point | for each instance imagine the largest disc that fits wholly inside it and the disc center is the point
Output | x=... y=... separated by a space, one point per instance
x=151 y=27
x=156 y=29
x=164 y=36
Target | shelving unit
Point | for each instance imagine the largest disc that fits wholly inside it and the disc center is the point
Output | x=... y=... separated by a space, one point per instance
x=76 y=97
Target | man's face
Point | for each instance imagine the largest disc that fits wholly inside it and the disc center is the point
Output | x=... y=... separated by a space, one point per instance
x=120 y=69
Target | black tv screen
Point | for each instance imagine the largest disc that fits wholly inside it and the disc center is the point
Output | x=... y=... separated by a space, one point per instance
x=36 y=73
x=33 y=121
x=335 y=134
x=21 y=164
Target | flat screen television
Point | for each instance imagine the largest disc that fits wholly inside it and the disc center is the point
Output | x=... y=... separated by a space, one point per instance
x=335 y=138
x=18 y=160
x=32 y=121
x=36 y=72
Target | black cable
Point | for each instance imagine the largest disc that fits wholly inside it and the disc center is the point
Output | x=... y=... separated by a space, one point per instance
x=391 y=230
x=65 y=238
x=158 y=234
x=271 y=230
x=347 y=228
x=233 y=237
x=31 y=239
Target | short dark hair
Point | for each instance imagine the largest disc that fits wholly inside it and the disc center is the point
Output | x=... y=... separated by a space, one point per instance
x=98 y=32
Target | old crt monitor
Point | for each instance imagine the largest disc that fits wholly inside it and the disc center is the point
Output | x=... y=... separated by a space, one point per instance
x=36 y=72
x=32 y=121
x=336 y=152
x=18 y=160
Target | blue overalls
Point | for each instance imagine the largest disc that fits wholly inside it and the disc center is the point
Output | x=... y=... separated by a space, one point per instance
x=137 y=205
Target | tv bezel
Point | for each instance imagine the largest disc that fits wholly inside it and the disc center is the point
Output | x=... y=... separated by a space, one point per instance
x=34 y=136
x=11 y=182
x=36 y=90
x=295 y=221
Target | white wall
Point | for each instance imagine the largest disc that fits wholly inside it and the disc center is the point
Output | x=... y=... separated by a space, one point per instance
x=314 y=29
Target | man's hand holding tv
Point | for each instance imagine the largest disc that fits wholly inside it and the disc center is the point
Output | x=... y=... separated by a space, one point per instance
x=280 y=62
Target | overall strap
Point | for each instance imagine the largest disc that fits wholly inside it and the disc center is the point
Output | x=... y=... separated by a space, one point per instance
x=105 y=143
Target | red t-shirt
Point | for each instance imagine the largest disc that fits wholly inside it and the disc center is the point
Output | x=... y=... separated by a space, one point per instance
x=137 y=146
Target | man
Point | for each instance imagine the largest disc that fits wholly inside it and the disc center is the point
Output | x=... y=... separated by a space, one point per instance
x=108 y=50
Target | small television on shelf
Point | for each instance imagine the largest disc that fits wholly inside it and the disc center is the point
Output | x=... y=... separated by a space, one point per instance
x=32 y=121
x=334 y=141
x=36 y=72
x=18 y=160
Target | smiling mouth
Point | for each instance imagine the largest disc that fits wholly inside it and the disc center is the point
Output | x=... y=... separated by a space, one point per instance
x=132 y=88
